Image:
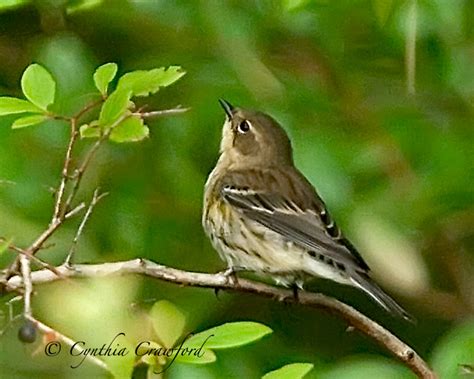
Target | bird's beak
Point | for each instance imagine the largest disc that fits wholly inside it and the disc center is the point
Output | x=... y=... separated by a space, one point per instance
x=228 y=108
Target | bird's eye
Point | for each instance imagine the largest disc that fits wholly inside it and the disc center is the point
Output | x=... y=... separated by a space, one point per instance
x=243 y=127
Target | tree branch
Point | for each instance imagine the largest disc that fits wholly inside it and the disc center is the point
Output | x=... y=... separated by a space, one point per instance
x=218 y=281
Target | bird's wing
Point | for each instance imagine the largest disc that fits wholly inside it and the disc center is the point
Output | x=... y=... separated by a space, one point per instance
x=305 y=227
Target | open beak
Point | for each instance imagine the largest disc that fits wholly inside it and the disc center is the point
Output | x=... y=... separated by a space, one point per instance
x=228 y=108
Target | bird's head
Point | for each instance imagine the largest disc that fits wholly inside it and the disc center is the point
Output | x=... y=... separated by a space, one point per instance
x=253 y=139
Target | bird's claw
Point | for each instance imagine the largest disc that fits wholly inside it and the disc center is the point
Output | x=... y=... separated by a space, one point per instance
x=70 y=266
x=230 y=275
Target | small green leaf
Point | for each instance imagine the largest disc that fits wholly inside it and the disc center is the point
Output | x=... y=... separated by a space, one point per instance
x=171 y=75
x=144 y=83
x=131 y=129
x=197 y=357
x=229 y=335
x=113 y=108
x=38 y=86
x=28 y=121
x=90 y=130
x=104 y=75
x=148 y=353
x=12 y=105
x=291 y=371
x=168 y=322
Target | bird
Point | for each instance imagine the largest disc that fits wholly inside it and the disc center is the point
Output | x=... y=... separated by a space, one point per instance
x=262 y=215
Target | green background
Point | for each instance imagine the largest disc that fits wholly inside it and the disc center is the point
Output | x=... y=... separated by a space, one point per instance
x=395 y=169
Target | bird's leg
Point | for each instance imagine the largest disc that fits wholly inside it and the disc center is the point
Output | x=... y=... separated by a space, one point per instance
x=230 y=274
x=226 y=273
x=295 y=288
x=230 y=271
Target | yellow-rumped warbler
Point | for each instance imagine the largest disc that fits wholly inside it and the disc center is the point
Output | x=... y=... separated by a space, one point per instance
x=263 y=215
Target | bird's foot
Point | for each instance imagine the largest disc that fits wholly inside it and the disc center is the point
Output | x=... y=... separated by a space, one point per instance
x=231 y=274
x=71 y=266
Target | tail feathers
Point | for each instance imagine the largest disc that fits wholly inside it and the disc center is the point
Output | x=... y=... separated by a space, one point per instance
x=363 y=281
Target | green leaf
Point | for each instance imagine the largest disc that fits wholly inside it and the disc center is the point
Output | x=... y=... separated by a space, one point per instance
x=147 y=354
x=28 y=121
x=455 y=349
x=291 y=371
x=228 y=335
x=113 y=108
x=104 y=75
x=38 y=86
x=90 y=130
x=144 y=83
x=197 y=357
x=168 y=322
x=171 y=75
x=131 y=129
x=12 y=105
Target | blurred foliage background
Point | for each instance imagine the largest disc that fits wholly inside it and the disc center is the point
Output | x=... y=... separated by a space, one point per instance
x=387 y=143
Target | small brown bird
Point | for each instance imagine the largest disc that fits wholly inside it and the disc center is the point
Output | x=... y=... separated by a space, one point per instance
x=262 y=215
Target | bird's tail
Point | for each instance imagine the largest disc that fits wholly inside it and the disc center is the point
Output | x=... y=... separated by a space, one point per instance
x=366 y=284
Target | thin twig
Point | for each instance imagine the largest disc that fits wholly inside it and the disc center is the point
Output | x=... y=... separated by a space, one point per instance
x=370 y=328
x=70 y=342
x=26 y=278
x=38 y=261
x=75 y=211
x=165 y=112
x=88 y=157
x=87 y=108
x=11 y=317
x=58 y=213
x=43 y=237
x=95 y=199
